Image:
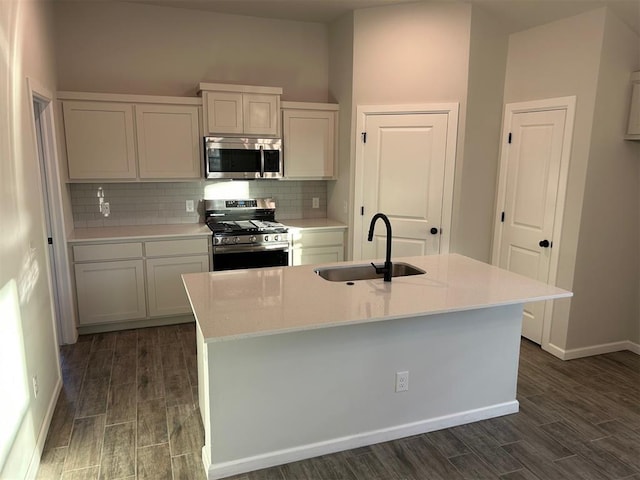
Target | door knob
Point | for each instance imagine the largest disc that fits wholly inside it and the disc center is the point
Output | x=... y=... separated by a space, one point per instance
x=433 y=230
x=544 y=243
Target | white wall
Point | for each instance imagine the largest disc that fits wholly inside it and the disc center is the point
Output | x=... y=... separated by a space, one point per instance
x=26 y=40
x=559 y=59
x=132 y=48
x=605 y=308
x=339 y=192
x=476 y=207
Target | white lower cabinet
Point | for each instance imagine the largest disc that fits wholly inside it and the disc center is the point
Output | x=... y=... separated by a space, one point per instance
x=110 y=291
x=128 y=281
x=312 y=247
x=164 y=283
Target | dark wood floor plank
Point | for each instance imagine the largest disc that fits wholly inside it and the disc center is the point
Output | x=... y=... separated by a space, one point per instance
x=186 y=434
x=177 y=388
x=124 y=369
x=447 y=443
x=52 y=463
x=530 y=458
x=126 y=343
x=602 y=459
x=367 y=465
x=432 y=464
x=121 y=404
x=154 y=463
x=302 y=470
x=99 y=365
x=188 y=467
x=577 y=467
x=547 y=446
x=487 y=448
x=472 y=468
x=85 y=446
x=394 y=456
x=61 y=425
x=152 y=422
x=93 y=397
x=523 y=474
x=149 y=371
x=172 y=358
x=104 y=341
x=118 y=451
x=627 y=452
x=90 y=473
x=333 y=467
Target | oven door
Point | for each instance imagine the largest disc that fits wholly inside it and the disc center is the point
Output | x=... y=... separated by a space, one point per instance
x=234 y=258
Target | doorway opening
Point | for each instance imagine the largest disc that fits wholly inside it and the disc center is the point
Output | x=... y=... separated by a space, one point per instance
x=58 y=273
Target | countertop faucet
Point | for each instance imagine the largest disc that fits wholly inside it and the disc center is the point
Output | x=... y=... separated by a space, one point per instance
x=387 y=269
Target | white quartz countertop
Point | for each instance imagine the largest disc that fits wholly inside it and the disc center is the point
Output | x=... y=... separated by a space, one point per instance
x=239 y=304
x=313 y=223
x=138 y=232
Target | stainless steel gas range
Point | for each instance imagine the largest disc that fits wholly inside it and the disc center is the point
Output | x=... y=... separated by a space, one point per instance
x=246 y=234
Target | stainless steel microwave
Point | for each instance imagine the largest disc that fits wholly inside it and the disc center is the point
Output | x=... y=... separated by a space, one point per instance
x=242 y=158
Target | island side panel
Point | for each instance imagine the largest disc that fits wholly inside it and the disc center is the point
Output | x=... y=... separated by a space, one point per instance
x=203 y=393
x=284 y=397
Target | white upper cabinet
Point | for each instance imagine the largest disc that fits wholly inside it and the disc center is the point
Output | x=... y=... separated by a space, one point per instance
x=100 y=140
x=309 y=133
x=131 y=137
x=240 y=110
x=633 y=130
x=168 y=141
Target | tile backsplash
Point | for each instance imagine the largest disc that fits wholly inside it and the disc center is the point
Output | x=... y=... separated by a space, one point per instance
x=164 y=203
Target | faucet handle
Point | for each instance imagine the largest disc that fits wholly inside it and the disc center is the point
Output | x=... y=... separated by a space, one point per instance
x=379 y=269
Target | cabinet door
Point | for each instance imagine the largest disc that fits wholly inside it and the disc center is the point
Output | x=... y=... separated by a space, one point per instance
x=309 y=143
x=260 y=114
x=223 y=113
x=168 y=141
x=165 y=290
x=318 y=255
x=110 y=291
x=100 y=140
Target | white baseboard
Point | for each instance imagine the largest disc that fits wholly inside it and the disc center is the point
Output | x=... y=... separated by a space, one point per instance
x=271 y=459
x=34 y=463
x=574 y=353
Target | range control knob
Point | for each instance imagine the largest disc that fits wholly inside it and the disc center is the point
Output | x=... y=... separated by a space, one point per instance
x=266 y=238
x=225 y=240
x=276 y=238
x=236 y=239
x=252 y=238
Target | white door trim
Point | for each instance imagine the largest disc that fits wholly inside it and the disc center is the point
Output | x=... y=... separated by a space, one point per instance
x=451 y=110
x=561 y=103
x=66 y=325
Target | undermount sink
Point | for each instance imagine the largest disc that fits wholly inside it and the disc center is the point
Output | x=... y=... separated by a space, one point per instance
x=350 y=273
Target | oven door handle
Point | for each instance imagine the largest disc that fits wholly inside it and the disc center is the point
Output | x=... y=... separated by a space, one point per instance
x=248 y=248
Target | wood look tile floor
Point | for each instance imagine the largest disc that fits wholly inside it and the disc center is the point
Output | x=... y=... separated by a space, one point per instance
x=128 y=410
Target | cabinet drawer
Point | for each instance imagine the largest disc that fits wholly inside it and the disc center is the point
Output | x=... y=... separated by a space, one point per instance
x=189 y=246
x=107 y=251
x=319 y=239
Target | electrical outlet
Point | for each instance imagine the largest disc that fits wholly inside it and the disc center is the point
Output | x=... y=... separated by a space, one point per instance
x=35 y=386
x=189 y=206
x=402 y=381
x=315 y=202
x=105 y=209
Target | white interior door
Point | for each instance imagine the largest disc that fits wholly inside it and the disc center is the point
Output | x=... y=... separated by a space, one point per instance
x=404 y=164
x=533 y=159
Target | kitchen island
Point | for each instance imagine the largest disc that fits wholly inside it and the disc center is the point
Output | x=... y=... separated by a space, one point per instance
x=292 y=366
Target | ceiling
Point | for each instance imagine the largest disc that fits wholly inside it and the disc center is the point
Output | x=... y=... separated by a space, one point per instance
x=516 y=14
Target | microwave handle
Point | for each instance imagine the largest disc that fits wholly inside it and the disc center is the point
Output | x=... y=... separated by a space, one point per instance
x=261 y=161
